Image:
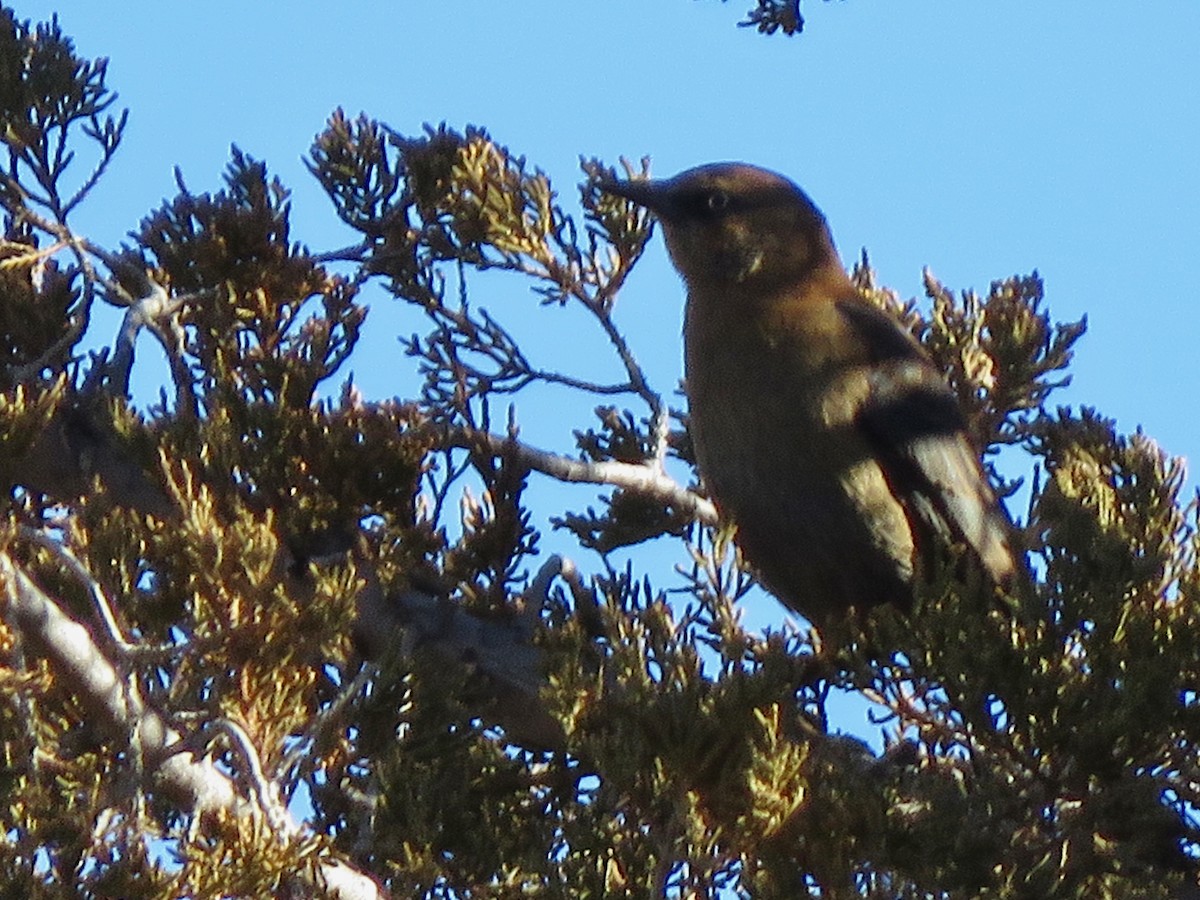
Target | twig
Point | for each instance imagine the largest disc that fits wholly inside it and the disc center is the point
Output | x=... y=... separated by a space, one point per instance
x=170 y=335
x=322 y=721
x=82 y=250
x=579 y=384
x=538 y=592
x=648 y=480
x=266 y=791
x=637 y=377
x=353 y=253
x=537 y=595
x=73 y=565
x=138 y=315
x=106 y=157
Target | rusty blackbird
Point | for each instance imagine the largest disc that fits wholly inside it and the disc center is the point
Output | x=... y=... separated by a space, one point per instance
x=820 y=426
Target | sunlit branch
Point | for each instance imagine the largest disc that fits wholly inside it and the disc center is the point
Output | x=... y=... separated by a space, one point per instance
x=196 y=783
x=266 y=792
x=648 y=480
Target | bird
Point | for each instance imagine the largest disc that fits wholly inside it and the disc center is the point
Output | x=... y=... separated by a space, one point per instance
x=821 y=428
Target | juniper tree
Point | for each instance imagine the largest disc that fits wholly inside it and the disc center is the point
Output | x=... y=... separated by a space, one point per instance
x=268 y=585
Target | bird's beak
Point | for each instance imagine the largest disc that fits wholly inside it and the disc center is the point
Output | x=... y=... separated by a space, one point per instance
x=654 y=195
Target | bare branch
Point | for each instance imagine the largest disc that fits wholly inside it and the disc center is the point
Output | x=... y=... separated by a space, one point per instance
x=266 y=792
x=71 y=650
x=138 y=315
x=355 y=253
x=63 y=554
x=649 y=480
x=502 y=652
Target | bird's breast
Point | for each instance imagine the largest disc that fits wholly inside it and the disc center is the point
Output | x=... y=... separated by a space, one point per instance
x=785 y=365
x=770 y=412
x=773 y=407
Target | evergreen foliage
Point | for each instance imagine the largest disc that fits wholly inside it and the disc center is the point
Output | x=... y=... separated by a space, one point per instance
x=248 y=591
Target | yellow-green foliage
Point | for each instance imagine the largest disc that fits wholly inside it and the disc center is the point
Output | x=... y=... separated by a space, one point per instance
x=1039 y=745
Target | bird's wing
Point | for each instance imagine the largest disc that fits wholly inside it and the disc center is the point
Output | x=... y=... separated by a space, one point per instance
x=914 y=424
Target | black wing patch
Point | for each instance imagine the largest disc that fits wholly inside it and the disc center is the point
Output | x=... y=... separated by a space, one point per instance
x=913 y=422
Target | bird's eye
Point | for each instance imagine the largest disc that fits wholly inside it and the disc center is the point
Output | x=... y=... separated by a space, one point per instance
x=717 y=201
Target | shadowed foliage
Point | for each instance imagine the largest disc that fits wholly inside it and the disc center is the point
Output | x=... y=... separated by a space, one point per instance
x=267 y=587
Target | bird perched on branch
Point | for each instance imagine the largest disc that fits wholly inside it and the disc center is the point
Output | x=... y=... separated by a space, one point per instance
x=820 y=426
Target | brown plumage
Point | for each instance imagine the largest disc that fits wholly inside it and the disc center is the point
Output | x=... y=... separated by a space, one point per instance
x=821 y=428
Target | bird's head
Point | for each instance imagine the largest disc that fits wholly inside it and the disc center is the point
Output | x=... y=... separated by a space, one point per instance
x=734 y=223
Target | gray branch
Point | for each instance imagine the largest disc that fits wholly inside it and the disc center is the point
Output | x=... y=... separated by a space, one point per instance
x=194 y=783
x=648 y=480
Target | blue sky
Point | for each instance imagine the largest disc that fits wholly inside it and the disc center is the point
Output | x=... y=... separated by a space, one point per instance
x=980 y=140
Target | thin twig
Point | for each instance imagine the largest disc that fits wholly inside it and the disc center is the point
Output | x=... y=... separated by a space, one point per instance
x=73 y=565
x=266 y=791
x=353 y=253
x=138 y=315
x=322 y=720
